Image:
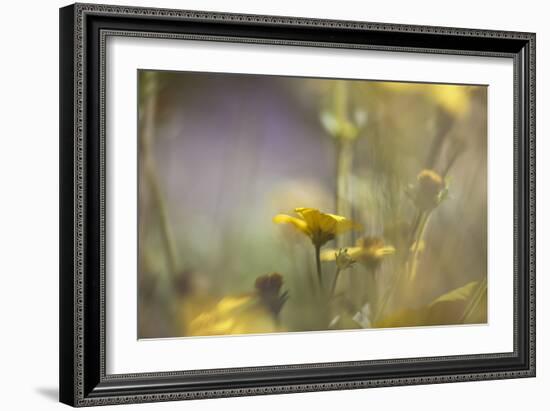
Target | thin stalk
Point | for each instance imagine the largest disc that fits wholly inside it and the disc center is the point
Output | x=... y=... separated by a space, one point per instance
x=334 y=281
x=344 y=157
x=152 y=176
x=318 y=265
x=405 y=272
x=344 y=165
x=414 y=227
x=311 y=273
x=475 y=301
x=340 y=99
x=166 y=232
x=370 y=291
x=344 y=160
x=397 y=280
x=423 y=224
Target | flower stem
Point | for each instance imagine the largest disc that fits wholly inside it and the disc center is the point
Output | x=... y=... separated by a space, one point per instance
x=344 y=155
x=414 y=228
x=410 y=267
x=475 y=301
x=344 y=165
x=424 y=218
x=370 y=294
x=386 y=297
x=334 y=281
x=318 y=265
x=152 y=176
x=344 y=160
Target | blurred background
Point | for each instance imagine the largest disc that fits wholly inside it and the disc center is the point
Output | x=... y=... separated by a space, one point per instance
x=222 y=154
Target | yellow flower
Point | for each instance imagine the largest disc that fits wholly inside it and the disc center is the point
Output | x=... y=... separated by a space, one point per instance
x=254 y=312
x=319 y=227
x=239 y=314
x=369 y=251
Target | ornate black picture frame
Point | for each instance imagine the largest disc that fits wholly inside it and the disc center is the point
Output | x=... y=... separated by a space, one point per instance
x=83 y=30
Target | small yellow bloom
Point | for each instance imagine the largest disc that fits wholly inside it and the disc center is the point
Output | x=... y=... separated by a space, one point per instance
x=238 y=314
x=369 y=251
x=319 y=227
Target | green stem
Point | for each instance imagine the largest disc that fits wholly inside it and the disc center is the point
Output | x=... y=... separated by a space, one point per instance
x=167 y=237
x=344 y=156
x=344 y=160
x=344 y=163
x=318 y=265
x=414 y=228
x=388 y=294
x=423 y=224
x=340 y=100
x=334 y=281
x=370 y=291
x=152 y=176
x=311 y=274
x=475 y=301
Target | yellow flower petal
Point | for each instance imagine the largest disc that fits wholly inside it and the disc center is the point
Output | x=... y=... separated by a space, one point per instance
x=311 y=216
x=320 y=227
x=343 y=224
x=239 y=314
x=296 y=222
x=328 y=223
x=387 y=250
x=210 y=324
x=355 y=252
x=328 y=254
x=233 y=303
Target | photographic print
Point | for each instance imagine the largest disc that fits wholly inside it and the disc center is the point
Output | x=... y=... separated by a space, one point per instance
x=275 y=204
x=237 y=185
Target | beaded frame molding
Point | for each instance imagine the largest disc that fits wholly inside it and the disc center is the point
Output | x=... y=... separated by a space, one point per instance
x=83 y=32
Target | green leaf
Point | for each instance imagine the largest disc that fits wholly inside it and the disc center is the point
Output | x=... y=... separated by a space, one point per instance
x=458 y=294
x=463 y=305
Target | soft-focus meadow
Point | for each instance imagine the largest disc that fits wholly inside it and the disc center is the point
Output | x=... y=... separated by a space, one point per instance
x=281 y=204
